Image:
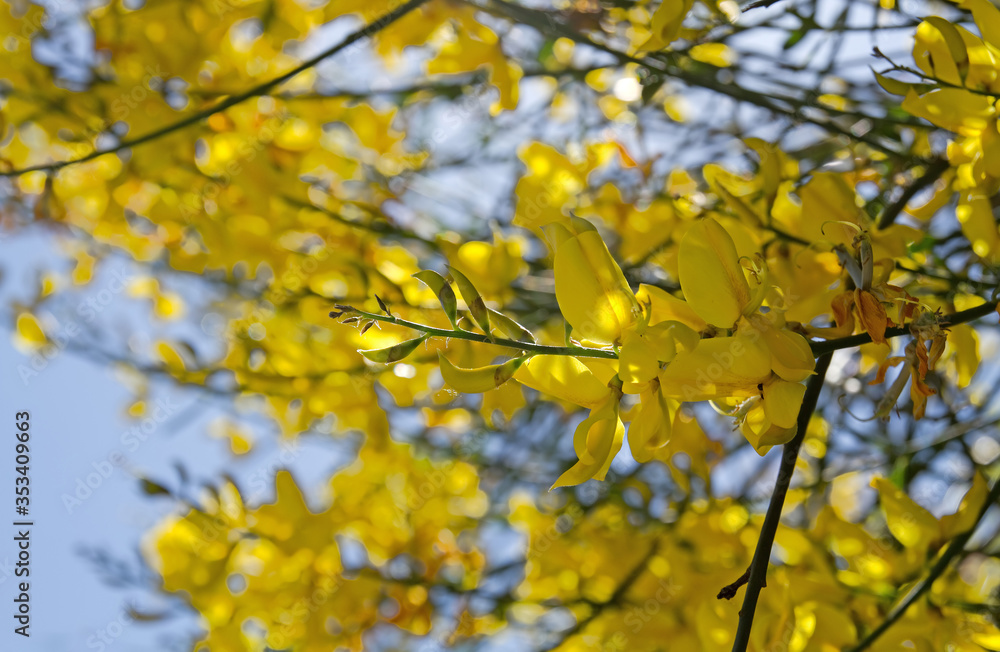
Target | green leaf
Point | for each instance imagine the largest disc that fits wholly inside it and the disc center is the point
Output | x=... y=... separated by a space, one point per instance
x=896 y=87
x=899 y=472
x=442 y=289
x=393 y=353
x=151 y=488
x=510 y=328
x=923 y=245
x=477 y=307
x=794 y=38
x=381 y=304
x=651 y=83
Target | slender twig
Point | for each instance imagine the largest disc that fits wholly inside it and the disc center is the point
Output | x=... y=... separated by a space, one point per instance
x=931 y=174
x=728 y=592
x=543 y=349
x=759 y=4
x=828 y=346
x=954 y=550
x=548 y=23
x=261 y=89
x=789 y=456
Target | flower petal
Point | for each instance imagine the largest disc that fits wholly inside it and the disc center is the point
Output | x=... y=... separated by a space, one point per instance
x=710 y=274
x=666 y=307
x=791 y=357
x=641 y=355
x=650 y=429
x=782 y=401
x=597 y=440
x=563 y=377
x=912 y=525
x=872 y=315
x=762 y=433
x=592 y=292
x=718 y=367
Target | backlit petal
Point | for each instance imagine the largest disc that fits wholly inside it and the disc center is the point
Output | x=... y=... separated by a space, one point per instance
x=563 y=377
x=710 y=274
x=719 y=367
x=782 y=401
x=592 y=292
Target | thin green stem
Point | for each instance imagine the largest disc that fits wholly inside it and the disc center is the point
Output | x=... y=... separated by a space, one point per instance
x=818 y=348
x=261 y=89
x=954 y=550
x=789 y=456
x=542 y=349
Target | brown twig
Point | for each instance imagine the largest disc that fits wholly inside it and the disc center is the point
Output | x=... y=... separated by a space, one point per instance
x=728 y=592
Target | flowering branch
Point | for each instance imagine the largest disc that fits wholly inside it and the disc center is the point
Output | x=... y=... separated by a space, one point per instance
x=828 y=346
x=458 y=333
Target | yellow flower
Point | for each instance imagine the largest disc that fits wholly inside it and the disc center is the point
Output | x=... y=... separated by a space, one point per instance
x=652 y=425
x=711 y=275
x=597 y=440
x=592 y=292
x=761 y=362
x=599 y=437
x=770 y=418
x=645 y=348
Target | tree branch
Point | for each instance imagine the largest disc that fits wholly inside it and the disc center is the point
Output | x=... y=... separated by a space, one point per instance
x=368 y=30
x=828 y=346
x=619 y=593
x=762 y=555
x=728 y=592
